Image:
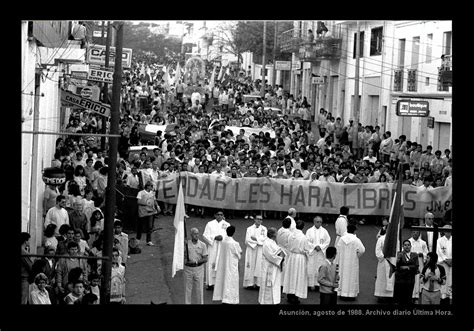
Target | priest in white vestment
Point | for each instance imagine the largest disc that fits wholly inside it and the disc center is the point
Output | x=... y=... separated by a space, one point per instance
x=296 y=269
x=341 y=224
x=270 y=288
x=291 y=215
x=419 y=247
x=349 y=250
x=282 y=237
x=254 y=238
x=383 y=283
x=226 y=287
x=214 y=233
x=320 y=239
x=444 y=249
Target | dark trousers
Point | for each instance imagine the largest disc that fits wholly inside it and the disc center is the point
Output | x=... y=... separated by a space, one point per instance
x=402 y=292
x=145 y=224
x=179 y=96
x=328 y=298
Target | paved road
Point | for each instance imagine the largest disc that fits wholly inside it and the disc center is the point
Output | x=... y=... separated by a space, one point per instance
x=149 y=273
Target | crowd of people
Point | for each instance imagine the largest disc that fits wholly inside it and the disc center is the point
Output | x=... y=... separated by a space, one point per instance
x=199 y=141
x=292 y=262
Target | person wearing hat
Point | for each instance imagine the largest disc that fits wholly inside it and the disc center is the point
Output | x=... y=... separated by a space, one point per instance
x=254 y=238
x=444 y=249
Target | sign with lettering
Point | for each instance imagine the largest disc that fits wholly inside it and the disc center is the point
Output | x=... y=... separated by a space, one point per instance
x=77 y=100
x=100 y=75
x=282 y=65
x=96 y=55
x=317 y=80
x=306 y=196
x=413 y=108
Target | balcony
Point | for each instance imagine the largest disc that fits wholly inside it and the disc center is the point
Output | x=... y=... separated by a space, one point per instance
x=321 y=49
x=317 y=50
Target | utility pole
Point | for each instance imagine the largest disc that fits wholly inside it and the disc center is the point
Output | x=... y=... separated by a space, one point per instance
x=34 y=167
x=111 y=179
x=105 y=90
x=356 y=91
x=262 y=90
x=274 y=53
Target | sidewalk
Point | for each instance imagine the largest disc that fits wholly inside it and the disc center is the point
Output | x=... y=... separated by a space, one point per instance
x=145 y=274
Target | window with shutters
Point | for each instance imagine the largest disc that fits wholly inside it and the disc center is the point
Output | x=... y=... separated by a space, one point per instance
x=376 y=41
x=411 y=84
x=361 y=44
x=398 y=81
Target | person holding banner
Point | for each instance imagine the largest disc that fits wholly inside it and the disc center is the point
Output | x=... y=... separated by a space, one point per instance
x=193 y=270
x=214 y=233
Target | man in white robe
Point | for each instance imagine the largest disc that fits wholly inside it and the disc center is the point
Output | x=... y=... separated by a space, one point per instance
x=320 y=239
x=349 y=250
x=383 y=282
x=295 y=283
x=444 y=249
x=227 y=275
x=419 y=247
x=213 y=235
x=254 y=239
x=270 y=291
x=341 y=223
x=291 y=215
x=282 y=238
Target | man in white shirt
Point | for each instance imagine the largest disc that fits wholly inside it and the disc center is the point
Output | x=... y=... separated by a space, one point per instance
x=341 y=223
x=320 y=239
x=214 y=233
x=444 y=248
x=427 y=236
x=370 y=157
x=254 y=238
x=58 y=214
x=420 y=247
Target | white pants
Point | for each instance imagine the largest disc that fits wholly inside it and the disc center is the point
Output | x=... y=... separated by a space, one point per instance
x=194 y=279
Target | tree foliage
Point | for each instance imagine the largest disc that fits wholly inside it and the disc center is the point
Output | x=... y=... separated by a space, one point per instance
x=139 y=38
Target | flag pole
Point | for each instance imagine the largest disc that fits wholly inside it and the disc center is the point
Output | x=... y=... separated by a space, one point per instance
x=186 y=239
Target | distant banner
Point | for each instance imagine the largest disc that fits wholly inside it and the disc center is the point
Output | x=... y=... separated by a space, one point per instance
x=304 y=195
x=249 y=131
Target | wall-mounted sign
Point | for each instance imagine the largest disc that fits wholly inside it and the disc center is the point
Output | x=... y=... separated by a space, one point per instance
x=296 y=65
x=96 y=55
x=54 y=176
x=413 y=108
x=77 y=100
x=99 y=75
x=282 y=65
x=79 y=74
x=317 y=80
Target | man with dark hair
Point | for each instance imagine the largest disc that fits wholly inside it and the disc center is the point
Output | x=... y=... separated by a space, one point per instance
x=58 y=214
x=328 y=278
x=122 y=237
x=227 y=270
x=295 y=279
x=350 y=249
x=65 y=265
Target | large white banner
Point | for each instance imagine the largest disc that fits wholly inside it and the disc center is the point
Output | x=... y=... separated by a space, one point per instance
x=304 y=195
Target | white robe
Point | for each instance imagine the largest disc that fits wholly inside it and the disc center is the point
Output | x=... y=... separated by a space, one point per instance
x=227 y=275
x=213 y=229
x=349 y=249
x=341 y=227
x=418 y=246
x=444 y=251
x=295 y=280
x=253 y=255
x=317 y=237
x=383 y=283
x=282 y=240
x=270 y=291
